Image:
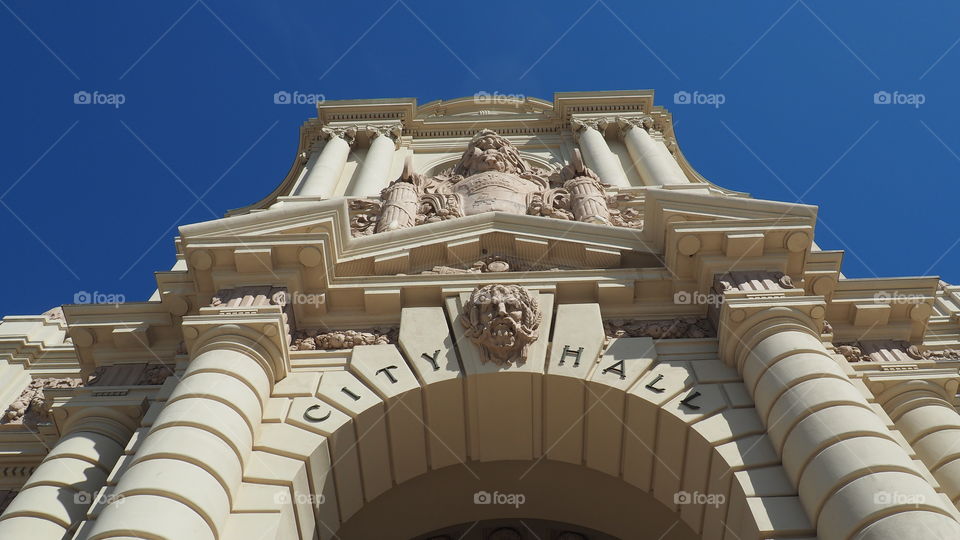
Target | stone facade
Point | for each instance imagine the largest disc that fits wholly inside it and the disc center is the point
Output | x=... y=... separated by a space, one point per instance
x=481 y=320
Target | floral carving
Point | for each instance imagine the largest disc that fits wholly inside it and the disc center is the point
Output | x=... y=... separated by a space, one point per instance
x=310 y=340
x=503 y=320
x=31 y=408
x=683 y=327
x=490 y=177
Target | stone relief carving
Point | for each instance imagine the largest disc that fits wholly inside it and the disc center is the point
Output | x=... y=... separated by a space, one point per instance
x=891 y=351
x=495 y=263
x=490 y=176
x=310 y=340
x=683 y=327
x=31 y=408
x=503 y=320
x=946 y=354
x=130 y=375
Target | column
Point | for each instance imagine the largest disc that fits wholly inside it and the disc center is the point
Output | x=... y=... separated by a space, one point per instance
x=853 y=478
x=931 y=425
x=182 y=479
x=597 y=154
x=374 y=171
x=654 y=162
x=56 y=496
x=325 y=167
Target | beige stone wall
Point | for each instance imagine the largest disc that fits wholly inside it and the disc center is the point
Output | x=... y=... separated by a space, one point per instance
x=659 y=357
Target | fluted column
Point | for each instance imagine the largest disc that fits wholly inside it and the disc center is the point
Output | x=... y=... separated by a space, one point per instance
x=56 y=496
x=597 y=154
x=652 y=159
x=374 y=171
x=853 y=478
x=185 y=475
x=931 y=425
x=325 y=167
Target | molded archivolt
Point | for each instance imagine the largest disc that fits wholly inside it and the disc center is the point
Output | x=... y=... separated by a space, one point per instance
x=667 y=419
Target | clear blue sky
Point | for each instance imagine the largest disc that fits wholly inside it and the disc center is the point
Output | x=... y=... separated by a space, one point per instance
x=91 y=194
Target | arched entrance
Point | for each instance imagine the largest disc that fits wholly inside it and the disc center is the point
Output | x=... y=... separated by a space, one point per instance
x=542 y=500
x=665 y=426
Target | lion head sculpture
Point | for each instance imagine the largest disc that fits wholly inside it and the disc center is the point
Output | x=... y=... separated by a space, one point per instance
x=488 y=151
x=503 y=320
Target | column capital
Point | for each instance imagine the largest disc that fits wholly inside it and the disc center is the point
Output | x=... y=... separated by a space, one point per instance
x=580 y=123
x=626 y=123
x=744 y=322
x=392 y=130
x=891 y=386
x=346 y=132
x=259 y=332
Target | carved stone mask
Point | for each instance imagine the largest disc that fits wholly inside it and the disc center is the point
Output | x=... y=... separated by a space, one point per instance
x=488 y=151
x=503 y=320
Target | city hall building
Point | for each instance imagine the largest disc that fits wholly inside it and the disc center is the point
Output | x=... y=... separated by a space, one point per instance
x=490 y=318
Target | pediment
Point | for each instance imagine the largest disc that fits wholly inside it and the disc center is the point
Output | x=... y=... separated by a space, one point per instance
x=533 y=243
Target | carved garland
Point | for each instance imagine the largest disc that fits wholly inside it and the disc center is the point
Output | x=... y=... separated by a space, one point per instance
x=311 y=340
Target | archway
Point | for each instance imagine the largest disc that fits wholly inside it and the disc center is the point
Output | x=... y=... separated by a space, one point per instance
x=530 y=497
x=667 y=419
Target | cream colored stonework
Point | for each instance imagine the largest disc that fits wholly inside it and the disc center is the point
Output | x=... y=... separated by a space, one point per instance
x=490 y=320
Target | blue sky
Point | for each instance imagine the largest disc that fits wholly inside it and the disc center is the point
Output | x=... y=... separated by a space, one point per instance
x=91 y=194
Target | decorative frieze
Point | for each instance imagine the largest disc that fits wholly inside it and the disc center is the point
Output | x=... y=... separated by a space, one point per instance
x=891 y=351
x=310 y=340
x=130 y=375
x=495 y=263
x=679 y=328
